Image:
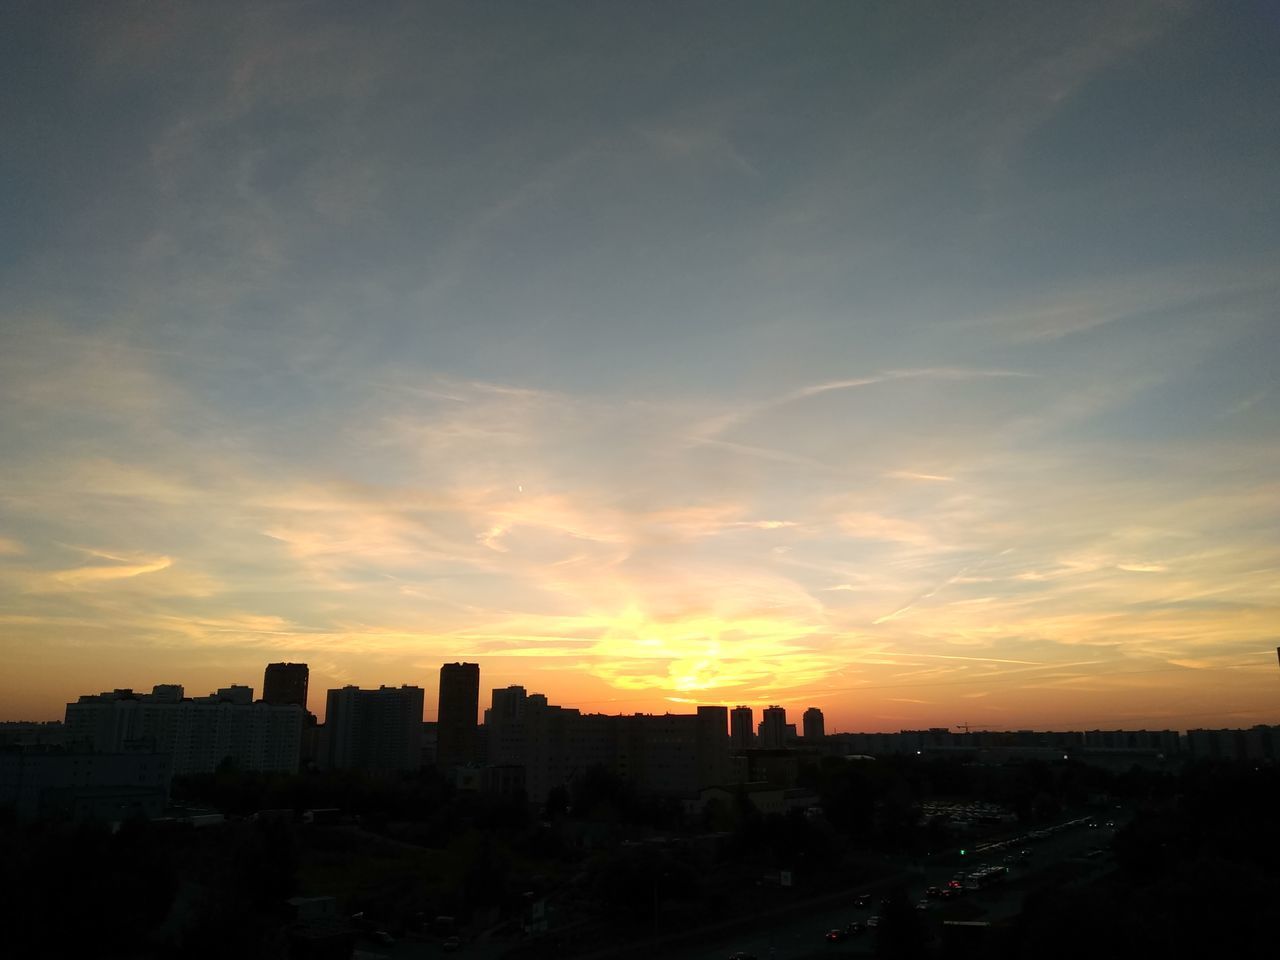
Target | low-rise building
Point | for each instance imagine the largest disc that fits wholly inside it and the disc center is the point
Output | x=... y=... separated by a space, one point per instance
x=36 y=781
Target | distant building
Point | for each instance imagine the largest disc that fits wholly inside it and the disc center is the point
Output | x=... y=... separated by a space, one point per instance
x=741 y=732
x=713 y=745
x=507 y=706
x=236 y=694
x=197 y=734
x=1115 y=749
x=773 y=729
x=286 y=683
x=667 y=754
x=456 y=717
x=374 y=730
x=814 y=726
x=32 y=733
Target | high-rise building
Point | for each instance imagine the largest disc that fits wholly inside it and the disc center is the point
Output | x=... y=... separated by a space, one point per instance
x=286 y=683
x=773 y=728
x=507 y=705
x=814 y=726
x=713 y=746
x=377 y=730
x=197 y=733
x=741 y=732
x=456 y=719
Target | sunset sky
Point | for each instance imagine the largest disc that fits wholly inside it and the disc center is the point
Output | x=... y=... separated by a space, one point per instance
x=917 y=362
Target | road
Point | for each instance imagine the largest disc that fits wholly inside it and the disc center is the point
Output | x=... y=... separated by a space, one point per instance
x=799 y=938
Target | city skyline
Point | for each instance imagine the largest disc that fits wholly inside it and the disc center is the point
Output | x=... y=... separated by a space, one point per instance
x=800 y=725
x=914 y=364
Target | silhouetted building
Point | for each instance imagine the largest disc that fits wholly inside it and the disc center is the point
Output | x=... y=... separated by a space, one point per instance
x=713 y=746
x=773 y=728
x=196 y=733
x=237 y=694
x=37 y=781
x=286 y=683
x=814 y=726
x=375 y=730
x=668 y=754
x=1256 y=743
x=456 y=718
x=741 y=728
x=32 y=733
x=507 y=706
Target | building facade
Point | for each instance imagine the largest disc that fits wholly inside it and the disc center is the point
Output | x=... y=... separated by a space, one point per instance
x=773 y=728
x=456 y=719
x=742 y=733
x=815 y=729
x=379 y=731
x=197 y=734
x=664 y=755
x=286 y=683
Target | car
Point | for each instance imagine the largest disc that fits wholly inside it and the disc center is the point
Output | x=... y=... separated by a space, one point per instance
x=862 y=900
x=741 y=955
x=933 y=893
x=923 y=905
x=855 y=927
x=383 y=937
x=950 y=893
x=873 y=922
x=451 y=944
x=835 y=935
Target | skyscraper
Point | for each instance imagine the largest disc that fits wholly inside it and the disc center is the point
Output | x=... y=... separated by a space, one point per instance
x=712 y=745
x=741 y=732
x=459 y=704
x=773 y=728
x=814 y=726
x=286 y=683
x=508 y=706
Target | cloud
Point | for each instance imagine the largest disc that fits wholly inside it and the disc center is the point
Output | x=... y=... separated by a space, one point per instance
x=1102 y=302
x=912 y=475
x=104 y=567
x=712 y=428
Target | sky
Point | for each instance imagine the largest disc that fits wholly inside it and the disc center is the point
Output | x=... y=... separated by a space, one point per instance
x=912 y=361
